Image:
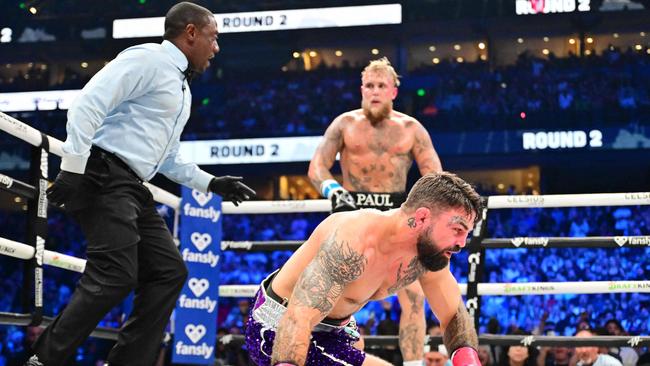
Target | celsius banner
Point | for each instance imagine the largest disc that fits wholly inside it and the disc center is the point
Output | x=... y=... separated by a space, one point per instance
x=195 y=333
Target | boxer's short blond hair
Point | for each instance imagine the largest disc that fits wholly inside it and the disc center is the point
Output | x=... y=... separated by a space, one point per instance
x=382 y=65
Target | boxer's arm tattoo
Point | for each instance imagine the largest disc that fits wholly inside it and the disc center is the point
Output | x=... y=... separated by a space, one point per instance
x=424 y=153
x=412 y=327
x=324 y=279
x=408 y=342
x=325 y=155
x=318 y=288
x=460 y=331
x=412 y=272
x=416 y=301
x=289 y=349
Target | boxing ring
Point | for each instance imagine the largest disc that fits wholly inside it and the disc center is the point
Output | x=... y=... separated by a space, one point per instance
x=37 y=256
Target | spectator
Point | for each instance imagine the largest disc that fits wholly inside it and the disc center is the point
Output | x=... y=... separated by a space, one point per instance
x=589 y=356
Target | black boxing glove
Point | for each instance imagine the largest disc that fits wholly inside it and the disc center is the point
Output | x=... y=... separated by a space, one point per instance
x=65 y=186
x=231 y=189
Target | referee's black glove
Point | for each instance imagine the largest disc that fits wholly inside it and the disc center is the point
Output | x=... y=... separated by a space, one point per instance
x=65 y=186
x=231 y=189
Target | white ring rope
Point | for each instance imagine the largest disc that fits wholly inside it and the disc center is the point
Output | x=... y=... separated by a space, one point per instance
x=273 y=207
x=24 y=251
x=31 y=135
x=570 y=200
x=504 y=289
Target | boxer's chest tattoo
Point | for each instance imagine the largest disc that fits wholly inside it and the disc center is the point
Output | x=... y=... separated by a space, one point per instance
x=407 y=276
x=325 y=278
x=381 y=174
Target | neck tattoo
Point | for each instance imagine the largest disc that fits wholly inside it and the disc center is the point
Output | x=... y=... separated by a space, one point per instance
x=411 y=222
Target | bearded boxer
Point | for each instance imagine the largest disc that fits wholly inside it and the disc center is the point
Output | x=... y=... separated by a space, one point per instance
x=377 y=146
x=303 y=312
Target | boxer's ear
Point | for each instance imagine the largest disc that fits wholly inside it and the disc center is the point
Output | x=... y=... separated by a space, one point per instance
x=422 y=215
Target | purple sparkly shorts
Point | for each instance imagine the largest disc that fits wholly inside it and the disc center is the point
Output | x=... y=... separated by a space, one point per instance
x=330 y=345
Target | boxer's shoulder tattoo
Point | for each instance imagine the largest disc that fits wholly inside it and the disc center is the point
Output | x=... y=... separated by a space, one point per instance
x=410 y=274
x=324 y=279
x=460 y=331
x=411 y=222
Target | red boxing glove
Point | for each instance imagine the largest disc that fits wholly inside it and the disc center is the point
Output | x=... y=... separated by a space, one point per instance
x=465 y=356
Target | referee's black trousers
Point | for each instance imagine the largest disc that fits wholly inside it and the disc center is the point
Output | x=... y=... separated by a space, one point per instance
x=129 y=249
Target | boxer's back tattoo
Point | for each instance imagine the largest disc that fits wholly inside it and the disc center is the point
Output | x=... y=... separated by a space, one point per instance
x=412 y=272
x=324 y=279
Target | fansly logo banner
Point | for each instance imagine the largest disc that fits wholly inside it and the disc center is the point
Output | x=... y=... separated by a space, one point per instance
x=197 y=305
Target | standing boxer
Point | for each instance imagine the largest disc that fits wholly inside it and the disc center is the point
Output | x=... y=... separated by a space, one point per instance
x=378 y=146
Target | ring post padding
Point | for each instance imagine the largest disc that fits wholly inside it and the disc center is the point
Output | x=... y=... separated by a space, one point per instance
x=36 y=231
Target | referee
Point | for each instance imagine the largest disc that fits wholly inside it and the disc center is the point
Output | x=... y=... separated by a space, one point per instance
x=125 y=127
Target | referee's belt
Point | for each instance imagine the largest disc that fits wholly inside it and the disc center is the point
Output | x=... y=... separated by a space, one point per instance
x=380 y=201
x=111 y=157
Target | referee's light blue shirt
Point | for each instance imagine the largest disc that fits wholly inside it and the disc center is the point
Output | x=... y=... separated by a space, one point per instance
x=136 y=107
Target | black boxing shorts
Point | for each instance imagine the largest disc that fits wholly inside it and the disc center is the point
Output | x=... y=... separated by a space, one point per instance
x=379 y=201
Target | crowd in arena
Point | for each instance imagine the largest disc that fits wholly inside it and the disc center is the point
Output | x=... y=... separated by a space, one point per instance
x=606 y=89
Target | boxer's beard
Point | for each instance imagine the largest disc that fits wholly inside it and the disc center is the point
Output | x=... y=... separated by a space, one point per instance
x=428 y=254
x=376 y=115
